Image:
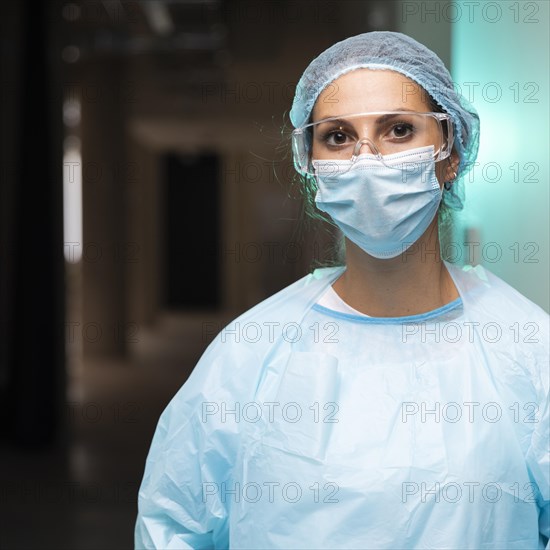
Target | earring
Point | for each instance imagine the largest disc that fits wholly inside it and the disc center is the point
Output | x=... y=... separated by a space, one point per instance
x=449 y=184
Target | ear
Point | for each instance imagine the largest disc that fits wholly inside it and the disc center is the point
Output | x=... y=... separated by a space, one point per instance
x=452 y=166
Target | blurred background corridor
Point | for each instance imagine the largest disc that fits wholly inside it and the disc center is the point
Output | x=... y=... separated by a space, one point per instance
x=147 y=199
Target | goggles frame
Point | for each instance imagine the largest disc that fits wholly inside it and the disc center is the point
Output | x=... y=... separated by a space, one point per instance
x=302 y=139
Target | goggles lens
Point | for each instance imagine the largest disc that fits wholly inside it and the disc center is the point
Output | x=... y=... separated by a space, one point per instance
x=378 y=134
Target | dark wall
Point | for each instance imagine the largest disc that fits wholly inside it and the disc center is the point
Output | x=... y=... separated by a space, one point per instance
x=31 y=236
x=192 y=238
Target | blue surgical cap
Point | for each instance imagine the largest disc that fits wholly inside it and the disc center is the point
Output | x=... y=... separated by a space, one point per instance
x=401 y=53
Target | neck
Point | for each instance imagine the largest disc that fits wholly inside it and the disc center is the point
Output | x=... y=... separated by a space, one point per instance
x=414 y=282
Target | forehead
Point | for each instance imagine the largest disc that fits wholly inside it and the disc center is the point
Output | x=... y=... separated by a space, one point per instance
x=364 y=90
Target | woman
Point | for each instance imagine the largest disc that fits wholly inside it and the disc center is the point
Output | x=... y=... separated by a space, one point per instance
x=394 y=402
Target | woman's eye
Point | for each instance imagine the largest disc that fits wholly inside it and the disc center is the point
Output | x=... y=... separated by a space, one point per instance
x=336 y=138
x=401 y=130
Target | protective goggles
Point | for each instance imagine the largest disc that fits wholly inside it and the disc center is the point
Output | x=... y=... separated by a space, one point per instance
x=380 y=135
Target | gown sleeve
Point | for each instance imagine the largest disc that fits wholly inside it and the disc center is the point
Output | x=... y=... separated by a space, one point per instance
x=185 y=497
x=181 y=502
x=538 y=452
x=538 y=460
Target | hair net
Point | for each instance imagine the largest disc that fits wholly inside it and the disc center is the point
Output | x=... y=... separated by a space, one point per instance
x=397 y=52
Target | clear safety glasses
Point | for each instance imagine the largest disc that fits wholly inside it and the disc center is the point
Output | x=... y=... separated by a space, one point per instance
x=384 y=136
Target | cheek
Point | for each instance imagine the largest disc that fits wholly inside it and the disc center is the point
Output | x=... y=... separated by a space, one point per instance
x=316 y=151
x=440 y=172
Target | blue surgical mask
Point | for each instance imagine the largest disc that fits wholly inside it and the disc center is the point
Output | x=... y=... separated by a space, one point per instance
x=383 y=207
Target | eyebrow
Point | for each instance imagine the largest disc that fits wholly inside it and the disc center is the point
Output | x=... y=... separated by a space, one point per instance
x=345 y=120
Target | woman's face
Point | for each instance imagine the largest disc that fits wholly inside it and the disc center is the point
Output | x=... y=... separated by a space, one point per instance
x=366 y=90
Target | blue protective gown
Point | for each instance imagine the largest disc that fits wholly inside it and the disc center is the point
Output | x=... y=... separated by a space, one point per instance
x=302 y=427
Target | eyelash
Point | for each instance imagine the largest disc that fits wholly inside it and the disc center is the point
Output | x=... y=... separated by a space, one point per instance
x=329 y=133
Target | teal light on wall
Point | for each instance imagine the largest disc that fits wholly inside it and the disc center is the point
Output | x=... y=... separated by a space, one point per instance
x=500 y=61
